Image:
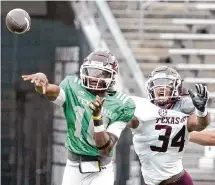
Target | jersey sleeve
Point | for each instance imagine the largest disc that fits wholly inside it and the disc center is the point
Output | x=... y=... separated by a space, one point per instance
x=116 y=128
x=127 y=110
x=65 y=83
x=60 y=99
x=187 y=106
x=125 y=114
x=65 y=86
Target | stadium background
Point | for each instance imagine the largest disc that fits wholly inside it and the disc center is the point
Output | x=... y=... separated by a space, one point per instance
x=142 y=35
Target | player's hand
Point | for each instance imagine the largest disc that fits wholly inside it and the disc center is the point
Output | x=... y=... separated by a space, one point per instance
x=96 y=106
x=201 y=98
x=39 y=80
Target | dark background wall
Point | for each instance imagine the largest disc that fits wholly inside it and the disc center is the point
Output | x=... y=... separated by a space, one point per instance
x=27 y=117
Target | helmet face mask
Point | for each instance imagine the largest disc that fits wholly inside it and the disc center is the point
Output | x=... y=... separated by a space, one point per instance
x=96 y=78
x=98 y=71
x=164 y=86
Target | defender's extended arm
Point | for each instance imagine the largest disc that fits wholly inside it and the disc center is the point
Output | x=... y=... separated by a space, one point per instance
x=205 y=137
x=199 y=120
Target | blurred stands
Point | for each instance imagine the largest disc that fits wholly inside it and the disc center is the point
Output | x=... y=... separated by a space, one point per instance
x=180 y=34
x=170 y=32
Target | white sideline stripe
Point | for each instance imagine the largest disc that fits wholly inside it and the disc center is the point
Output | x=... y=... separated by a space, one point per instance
x=193 y=21
x=187 y=36
x=199 y=80
x=192 y=51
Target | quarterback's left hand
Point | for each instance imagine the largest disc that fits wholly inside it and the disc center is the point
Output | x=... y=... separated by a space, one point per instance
x=201 y=99
x=96 y=106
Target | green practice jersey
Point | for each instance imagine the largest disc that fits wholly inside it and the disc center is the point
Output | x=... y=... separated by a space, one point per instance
x=80 y=128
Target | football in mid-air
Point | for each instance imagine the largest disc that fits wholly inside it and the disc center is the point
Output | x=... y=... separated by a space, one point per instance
x=18 y=21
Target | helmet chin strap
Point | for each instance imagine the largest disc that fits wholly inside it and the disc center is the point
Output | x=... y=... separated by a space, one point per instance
x=167 y=104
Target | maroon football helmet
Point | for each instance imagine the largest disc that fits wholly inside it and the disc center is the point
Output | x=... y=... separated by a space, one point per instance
x=99 y=70
x=164 y=86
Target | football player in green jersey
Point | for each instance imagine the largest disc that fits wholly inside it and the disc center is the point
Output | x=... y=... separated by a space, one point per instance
x=95 y=117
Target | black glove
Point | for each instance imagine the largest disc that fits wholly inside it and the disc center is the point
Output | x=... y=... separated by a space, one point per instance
x=201 y=99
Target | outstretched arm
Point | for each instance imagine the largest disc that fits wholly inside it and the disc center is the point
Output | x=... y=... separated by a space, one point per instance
x=205 y=137
x=42 y=85
x=200 y=120
x=197 y=123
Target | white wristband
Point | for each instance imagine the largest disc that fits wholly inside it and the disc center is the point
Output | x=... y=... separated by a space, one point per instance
x=99 y=128
x=201 y=114
x=61 y=98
